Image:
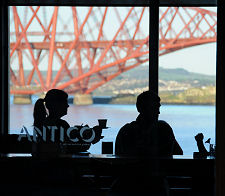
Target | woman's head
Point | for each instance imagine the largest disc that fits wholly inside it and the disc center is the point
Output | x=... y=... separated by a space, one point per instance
x=56 y=103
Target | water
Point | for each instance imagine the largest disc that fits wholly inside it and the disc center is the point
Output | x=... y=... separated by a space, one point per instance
x=185 y=120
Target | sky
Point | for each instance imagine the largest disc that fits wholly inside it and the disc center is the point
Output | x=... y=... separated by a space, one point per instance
x=199 y=59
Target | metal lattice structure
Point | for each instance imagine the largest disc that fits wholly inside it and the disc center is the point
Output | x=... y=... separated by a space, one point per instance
x=78 y=49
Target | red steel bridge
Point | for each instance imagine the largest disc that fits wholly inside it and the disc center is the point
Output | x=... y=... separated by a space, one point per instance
x=79 y=49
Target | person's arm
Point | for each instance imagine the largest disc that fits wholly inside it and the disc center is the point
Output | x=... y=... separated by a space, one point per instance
x=170 y=143
x=177 y=150
x=120 y=141
x=201 y=148
x=98 y=134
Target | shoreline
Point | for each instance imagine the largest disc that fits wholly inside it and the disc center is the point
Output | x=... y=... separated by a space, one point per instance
x=162 y=103
x=128 y=100
x=132 y=100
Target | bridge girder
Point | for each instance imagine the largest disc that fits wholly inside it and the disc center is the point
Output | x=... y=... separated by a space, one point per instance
x=85 y=57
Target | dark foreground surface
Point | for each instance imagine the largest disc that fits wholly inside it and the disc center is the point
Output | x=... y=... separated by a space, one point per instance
x=87 y=174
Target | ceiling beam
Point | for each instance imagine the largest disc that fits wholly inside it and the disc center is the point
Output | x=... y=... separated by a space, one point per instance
x=112 y=2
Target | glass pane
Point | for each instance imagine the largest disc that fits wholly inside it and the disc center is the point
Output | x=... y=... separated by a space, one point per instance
x=99 y=51
x=187 y=72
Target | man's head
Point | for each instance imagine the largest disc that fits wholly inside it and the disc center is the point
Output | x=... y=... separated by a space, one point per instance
x=148 y=104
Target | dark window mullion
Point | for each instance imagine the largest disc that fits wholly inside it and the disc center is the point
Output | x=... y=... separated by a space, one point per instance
x=154 y=46
x=4 y=70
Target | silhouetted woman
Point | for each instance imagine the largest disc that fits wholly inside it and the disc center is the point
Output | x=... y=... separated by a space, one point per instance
x=55 y=102
x=47 y=115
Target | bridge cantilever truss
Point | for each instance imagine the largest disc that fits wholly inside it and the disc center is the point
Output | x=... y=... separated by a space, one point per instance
x=79 y=49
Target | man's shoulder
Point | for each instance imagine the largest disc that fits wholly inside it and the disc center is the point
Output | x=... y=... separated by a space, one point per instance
x=163 y=123
x=131 y=125
x=165 y=128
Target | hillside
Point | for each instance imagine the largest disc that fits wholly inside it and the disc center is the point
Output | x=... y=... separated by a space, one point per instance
x=177 y=74
x=182 y=75
x=140 y=74
x=175 y=86
x=136 y=80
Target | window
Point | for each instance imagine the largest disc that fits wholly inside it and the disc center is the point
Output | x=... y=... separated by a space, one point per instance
x=104 y=48
x=187 y=72
x=153 y=73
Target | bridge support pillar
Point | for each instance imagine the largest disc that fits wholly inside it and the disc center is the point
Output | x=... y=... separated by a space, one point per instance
x=82 y=99
x=22 y=99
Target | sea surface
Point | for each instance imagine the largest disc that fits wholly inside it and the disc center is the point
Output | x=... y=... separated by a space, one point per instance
x=186 y=121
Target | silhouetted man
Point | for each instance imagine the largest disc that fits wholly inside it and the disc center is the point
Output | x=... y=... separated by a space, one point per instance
x=150 y=137
x=147 y=135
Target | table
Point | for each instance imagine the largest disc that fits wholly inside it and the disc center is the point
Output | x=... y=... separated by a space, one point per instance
x=72 y=168
x=179 y=165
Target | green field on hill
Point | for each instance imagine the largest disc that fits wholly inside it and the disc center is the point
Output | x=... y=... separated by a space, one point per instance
x=193 y=96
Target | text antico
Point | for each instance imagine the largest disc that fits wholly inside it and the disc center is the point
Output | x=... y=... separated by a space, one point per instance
x=53 y=129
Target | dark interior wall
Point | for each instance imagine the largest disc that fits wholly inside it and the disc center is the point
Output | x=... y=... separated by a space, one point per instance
x=220 y=104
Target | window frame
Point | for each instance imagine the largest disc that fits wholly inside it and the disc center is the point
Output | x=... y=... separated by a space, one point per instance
x=153 y=73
